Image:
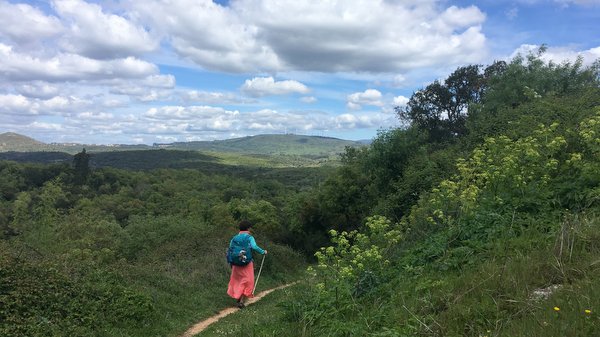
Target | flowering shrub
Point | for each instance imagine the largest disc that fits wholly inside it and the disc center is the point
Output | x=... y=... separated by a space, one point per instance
x=347 y=273
x=501 y=171
x=355 y=255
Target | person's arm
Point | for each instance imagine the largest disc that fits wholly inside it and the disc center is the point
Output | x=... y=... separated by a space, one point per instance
x=255 y=246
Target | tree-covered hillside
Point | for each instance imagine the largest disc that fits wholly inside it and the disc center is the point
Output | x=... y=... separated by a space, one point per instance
x=288 y=144
x=490 y=194
x=480 y=219
x=106 y=252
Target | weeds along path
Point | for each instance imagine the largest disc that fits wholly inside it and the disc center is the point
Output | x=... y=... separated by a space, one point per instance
x=200 y=326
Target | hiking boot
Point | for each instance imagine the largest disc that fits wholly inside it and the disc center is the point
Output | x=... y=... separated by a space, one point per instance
x=241 y=305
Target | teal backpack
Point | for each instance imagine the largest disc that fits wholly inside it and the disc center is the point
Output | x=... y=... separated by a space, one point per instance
x=239 y=252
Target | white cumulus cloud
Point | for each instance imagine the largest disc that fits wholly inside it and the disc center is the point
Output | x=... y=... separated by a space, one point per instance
x=60 y=104
x=308 y=99
x=68 y=67
x=38 y=89
x=23 y=23
x=400 y=101
x=266 y=86
x=350 y=121
x=99 y=35
x=368 y=97
x=16 y=103
x=327 y=36
x=213 y=36
x=99 y=116
x=211 y=97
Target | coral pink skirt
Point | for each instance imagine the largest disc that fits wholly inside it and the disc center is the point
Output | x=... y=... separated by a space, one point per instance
x=241 y=281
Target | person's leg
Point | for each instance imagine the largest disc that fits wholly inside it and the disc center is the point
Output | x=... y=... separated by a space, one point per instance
x=240 y=301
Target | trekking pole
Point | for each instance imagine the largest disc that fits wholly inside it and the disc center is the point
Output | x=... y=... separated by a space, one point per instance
x=259 y=270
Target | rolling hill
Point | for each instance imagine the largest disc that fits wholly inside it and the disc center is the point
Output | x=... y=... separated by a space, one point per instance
x=14 y=142
x=11 y=141
x=257 y=151
x=269 y=144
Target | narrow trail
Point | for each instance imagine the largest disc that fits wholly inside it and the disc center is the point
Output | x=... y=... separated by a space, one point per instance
x=200 y=326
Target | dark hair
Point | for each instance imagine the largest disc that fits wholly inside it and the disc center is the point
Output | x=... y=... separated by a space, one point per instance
x=244 y=225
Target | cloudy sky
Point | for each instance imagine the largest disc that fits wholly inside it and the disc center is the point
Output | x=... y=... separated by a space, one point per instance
x=151 y=71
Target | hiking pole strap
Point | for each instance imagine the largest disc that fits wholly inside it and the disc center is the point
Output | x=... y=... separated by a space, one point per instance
x=259 y=271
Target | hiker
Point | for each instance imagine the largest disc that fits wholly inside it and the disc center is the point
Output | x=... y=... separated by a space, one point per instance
x=241 y=283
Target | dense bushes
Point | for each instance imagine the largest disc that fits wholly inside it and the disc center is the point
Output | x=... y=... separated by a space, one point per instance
x=488 y=215
x=126 y=252
x=41 y=299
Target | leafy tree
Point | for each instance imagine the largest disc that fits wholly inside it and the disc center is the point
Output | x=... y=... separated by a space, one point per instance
x=81 y=165
x=530 y=91
x=261 y=213
x=529 y=77
x=22 y=208
x=389 y=155
x=11 y=181
x=441 y=108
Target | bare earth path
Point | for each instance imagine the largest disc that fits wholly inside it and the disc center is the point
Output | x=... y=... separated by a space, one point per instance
x=200 y=326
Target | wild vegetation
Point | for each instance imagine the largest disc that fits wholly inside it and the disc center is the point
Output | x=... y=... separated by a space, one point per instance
x=479 y=219
x=107 y=252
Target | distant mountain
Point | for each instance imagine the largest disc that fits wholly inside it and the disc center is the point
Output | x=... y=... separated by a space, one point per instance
x=270 y=144
x=11 y=141
x=14 y=142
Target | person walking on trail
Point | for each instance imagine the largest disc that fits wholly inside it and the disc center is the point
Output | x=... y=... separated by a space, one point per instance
x=239 y=256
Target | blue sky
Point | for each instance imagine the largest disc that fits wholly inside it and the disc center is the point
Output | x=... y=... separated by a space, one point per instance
x=131 y=72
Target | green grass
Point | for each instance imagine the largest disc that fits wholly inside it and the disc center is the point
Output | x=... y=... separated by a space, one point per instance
x=183 y=277
x=571 y=319
x=187 y=281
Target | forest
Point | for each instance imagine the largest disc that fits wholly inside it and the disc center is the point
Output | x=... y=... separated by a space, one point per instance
x=479 y=218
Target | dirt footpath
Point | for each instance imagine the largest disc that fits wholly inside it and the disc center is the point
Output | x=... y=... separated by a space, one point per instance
x=200 y=326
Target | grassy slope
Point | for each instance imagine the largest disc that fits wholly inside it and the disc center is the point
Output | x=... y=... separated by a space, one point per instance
x=496 y=296
x=264 y=318
x=10 y=141
x=194 y=287
x=181 y=271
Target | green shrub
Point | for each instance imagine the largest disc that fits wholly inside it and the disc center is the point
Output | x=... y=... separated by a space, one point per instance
x=41 y=300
